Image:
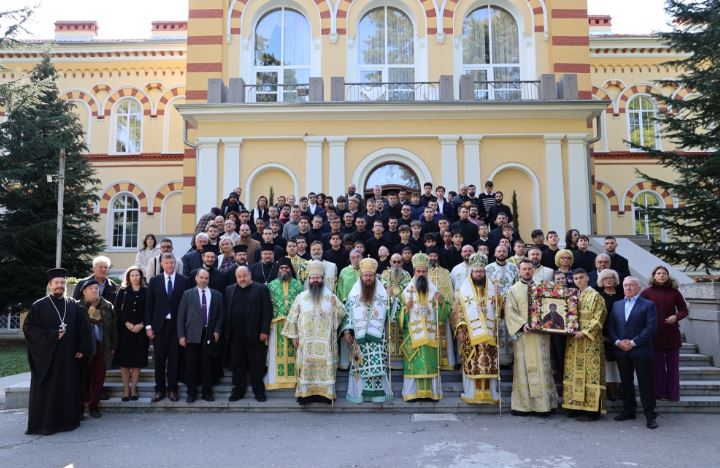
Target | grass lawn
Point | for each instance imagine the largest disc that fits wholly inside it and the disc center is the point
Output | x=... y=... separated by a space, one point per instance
x=13 y=358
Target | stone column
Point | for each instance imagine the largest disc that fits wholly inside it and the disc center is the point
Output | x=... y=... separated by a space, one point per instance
x=231 y=167
x=471 y=160
x=313 y=164
x=336 y=175
x=448 y=161
x=206 y=171
x=555 y=185
x=702 y=326
x=580 y=201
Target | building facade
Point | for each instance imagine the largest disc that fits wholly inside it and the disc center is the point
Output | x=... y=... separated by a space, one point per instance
x=311 y=95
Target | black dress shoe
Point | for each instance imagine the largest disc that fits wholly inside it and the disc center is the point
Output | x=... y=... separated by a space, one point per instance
x=173 y=396
x=134 y=397
x=191 y=399
x=208 y=397
x=235 y=396
x=95 y=413
x=159 y=396
x=125 y=398
x=261 y=398
x=520 y=413
x=624 y=416
x=573 y=414
x=652 y=424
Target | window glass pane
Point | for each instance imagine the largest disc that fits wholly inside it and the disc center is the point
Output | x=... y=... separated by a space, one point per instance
x=476 y=37
x=394 y=175
x=121 y=134
x=371 y=37
x=293 y=77
x=268 y=36
x=266 y=90
x=505 y=47
x=297 y=39
x=400 y=38
x=371 y=76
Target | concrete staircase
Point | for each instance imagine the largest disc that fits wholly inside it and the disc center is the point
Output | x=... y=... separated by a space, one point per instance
x=699 y=389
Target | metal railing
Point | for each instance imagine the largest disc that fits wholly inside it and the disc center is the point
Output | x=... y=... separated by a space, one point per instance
x=290 y=93
x=401 y=91
x=506 y=90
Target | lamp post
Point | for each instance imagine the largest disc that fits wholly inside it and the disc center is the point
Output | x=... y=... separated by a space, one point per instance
x=61 y=196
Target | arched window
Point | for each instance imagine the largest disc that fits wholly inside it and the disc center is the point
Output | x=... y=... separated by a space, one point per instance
x=643 y=129
x=642 y=204
x=491 y=53
x=282 y=57
x=392 y=176
x=128 y=127
x=125 y=216
x=386 y=50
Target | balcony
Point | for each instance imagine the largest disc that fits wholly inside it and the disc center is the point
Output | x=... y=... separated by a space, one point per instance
x=544 y=89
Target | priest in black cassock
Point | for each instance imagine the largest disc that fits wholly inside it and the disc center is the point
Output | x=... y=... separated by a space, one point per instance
x=57 y=337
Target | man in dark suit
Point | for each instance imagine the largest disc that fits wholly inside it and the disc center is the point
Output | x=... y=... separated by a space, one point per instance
x=248 y=312
x=199 y=325
x=631 y=326
x=617 y=261
x=217 y=278
x=100 y=268
x=161 y=304
x=267 y=269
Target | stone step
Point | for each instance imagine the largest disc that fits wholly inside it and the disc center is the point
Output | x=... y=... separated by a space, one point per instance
x=699 y=373
x=449 y=404
x=689 y=348
x=696 y=359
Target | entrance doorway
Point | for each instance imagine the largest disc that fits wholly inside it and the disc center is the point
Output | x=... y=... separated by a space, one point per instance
x=392 y=177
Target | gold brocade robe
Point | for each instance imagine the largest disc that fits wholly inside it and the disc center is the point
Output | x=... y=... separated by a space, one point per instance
x=584 y=380
x=533 y=388
x=441 y=279
x=479 y=353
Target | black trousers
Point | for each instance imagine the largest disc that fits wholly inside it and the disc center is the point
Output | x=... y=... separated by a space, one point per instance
x=557 y=350
x=165 y=348
x=200 y=364
x=644 y=370
x=249 y=358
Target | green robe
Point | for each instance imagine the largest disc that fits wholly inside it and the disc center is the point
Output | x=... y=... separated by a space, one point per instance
x=420 y=370
x=281 y=353
x=346 y=280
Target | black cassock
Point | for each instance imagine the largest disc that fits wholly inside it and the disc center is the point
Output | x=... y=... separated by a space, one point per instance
x=55 y=372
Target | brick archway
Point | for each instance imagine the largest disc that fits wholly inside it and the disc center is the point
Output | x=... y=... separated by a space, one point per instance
x=85 y=97
x=166 y=190
x=646 y=186
x=125 y=92
x=123 y=187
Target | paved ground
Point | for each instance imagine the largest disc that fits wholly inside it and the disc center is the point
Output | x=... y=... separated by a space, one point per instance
x=10 y=380
x=367 y=440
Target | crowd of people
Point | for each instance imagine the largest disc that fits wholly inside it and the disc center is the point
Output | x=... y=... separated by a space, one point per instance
x=286 y=294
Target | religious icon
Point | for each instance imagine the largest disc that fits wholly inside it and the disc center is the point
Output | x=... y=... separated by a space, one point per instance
x=554 y=309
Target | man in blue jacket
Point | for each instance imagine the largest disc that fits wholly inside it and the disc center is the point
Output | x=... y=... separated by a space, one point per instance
x=631 y=326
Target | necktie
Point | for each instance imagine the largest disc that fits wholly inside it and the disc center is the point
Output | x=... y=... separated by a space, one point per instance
x=203 y=309
x=169 y=287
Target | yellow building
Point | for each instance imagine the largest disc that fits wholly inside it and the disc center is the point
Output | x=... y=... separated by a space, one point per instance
x=311 y=95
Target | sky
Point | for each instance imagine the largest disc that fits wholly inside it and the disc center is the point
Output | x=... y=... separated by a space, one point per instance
x=628 y=16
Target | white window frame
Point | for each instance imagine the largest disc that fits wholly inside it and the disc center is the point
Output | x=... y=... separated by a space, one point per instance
x=280 y=69
x=111 y=224
x=385 y=67
x=116 y=116
x=628 y=112
x=490 y=68
x=660 y=205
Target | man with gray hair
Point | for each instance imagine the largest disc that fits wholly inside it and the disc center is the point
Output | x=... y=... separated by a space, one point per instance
x=602 y=262
x=100 y=270
x=193 y=259
x=153 y=267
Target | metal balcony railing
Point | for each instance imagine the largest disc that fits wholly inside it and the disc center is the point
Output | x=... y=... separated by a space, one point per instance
x=506 y=90
x=407 y=91
x=268 y=92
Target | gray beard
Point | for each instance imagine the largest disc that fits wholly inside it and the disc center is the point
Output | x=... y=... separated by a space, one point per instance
x=284 y=277
x=316 y=292
x=421 y=284
x=397 y=273
x=367 y=293
x=317 y=257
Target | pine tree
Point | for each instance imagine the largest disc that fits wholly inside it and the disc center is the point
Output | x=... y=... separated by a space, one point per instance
x=516 y=215
x=692 y=124
x=31 y=140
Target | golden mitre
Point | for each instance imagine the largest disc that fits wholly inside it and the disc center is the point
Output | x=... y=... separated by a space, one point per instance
x=420 y=260
x=478 y=260
x=368 y=265
x=315 y=267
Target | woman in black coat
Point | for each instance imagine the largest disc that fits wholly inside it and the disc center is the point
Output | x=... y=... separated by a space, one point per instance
x=132 y=350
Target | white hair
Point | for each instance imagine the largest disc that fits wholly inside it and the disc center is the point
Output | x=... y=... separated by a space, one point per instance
x=202 y=235
x=101 y=259
x=605 y=274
